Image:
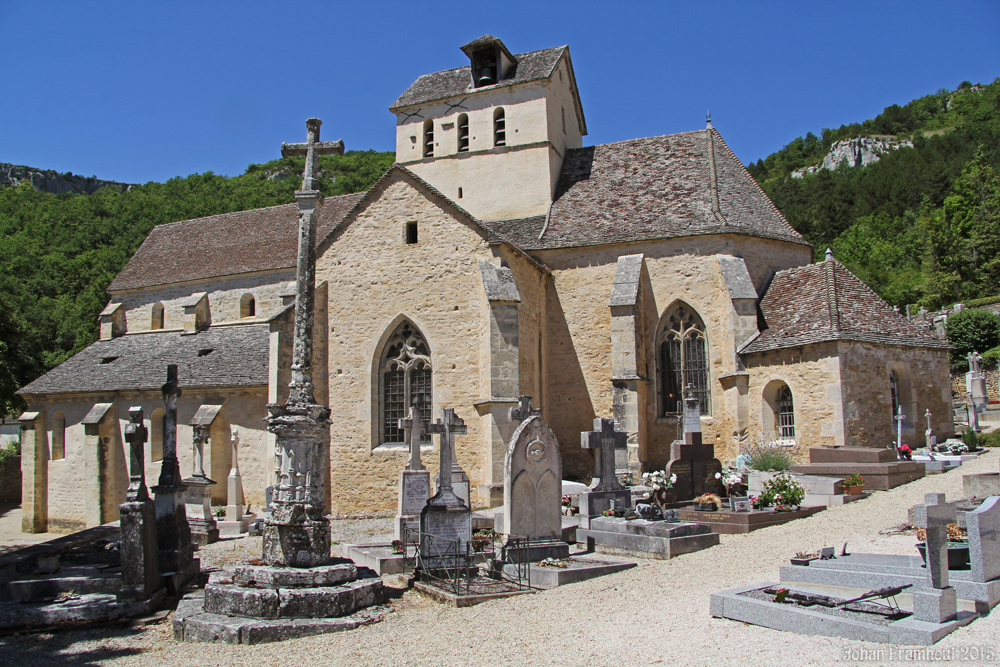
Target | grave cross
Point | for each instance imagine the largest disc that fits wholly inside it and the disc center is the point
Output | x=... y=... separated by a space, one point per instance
x=198 y=439
x=414 y=428
x=930 y=440
x=899 y=426
x=523 y=410
x=170 y=469
x=692 y=416
x=135 y=435
x=605 y=438
x=312 y=149
x=934 y=516
x=447 y=427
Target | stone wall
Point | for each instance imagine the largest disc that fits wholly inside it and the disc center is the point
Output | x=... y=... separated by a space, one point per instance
x=992 y=376
x=223 y=294
x=375 y=280
x=924 y=383
x=578 y=334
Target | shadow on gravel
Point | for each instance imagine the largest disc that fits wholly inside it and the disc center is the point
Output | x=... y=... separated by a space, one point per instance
x=57 y=648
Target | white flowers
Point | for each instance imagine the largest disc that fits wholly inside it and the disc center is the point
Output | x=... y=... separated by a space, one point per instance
x=658 y=480
x=730 y=477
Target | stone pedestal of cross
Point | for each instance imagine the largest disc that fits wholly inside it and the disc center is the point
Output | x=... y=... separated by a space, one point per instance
x=297 y=533
x=938 y=603
x=139 y=552
x=691 y=460
x=899 y=426
x=236 y=521
x=445 y=520
x=198 y=493
x=605 y=491
x=930 y=440
x=414 y=479
x=173 y=534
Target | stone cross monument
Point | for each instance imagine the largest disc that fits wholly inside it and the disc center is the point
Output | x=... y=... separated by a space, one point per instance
x=937 y=603
x=605 y=491
x=445 y=516
x=140 y=560
x=930 y=440
x=198 y=492
x=297 y=533
x=414 y=479
x=173 y=534
x=523 y=410
x=692 y=460
x=899 y=426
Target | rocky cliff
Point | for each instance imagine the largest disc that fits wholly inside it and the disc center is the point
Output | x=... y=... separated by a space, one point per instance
x=54 y=182
x=857 y=152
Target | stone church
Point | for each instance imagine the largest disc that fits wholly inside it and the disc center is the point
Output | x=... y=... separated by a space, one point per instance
x=498 y=256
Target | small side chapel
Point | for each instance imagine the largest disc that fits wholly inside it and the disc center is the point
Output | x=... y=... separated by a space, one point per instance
x=497 y=257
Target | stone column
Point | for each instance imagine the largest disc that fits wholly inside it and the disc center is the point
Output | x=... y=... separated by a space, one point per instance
x=139 y=552
x=173 y=533
x=34 y=474
x=625 y=362
x=297 y=533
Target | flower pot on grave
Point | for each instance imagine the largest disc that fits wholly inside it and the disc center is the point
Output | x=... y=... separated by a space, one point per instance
x=853 y=490
x=958 y=555
x=803 y=561
x=706 y=507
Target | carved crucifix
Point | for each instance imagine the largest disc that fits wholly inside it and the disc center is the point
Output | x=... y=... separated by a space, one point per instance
x=300 y=388
x=523 y=410
x=448 y=426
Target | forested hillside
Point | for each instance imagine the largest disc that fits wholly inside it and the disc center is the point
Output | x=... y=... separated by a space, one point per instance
x=922 y=225
x=58 y=253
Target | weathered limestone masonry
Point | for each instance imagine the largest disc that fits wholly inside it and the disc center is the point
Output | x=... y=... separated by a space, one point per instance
x=139 y=553
x=375 y=283
x=579 y=335
x=34 y=474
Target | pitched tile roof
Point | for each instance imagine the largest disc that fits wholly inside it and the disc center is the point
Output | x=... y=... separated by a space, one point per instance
x=825 y=302
x=238 y=358
x=531 y=66
x=221 y=245
x=660 y=187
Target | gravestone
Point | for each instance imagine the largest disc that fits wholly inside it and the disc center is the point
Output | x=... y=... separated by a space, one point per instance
x=691 y=460
x=198 y=493
x=975 y=382
x=930 y=440
x=532 y=493
x=983 y=525
x=938 y=603
x=446 y=520
x=605 y=491
x=414 y=479
x=173 y=534
x=139 y=553
x=236 y=522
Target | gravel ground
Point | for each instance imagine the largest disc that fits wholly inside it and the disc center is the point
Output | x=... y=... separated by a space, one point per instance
x=656 y=613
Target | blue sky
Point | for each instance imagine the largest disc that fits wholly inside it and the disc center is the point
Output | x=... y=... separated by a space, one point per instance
x=140 y=91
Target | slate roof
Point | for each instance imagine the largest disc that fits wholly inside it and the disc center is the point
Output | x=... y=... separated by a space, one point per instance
x=826 y=302
x=531 y=66
x=262 y=239
x=239 y=358
x=660 y=187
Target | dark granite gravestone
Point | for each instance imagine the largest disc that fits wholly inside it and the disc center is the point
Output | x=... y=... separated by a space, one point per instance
x=445 y=521
x=691 y=460
x=139 y=552
x=605 y=491
x=173 y=534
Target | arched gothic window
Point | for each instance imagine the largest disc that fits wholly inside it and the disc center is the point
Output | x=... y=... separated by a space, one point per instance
x=405 y=379
x=682 y=359
x=785 y=414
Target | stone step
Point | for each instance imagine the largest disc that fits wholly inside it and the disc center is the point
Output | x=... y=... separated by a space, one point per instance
x=852 y=455
x=78 y=580
x=272 y=603
x=878 y=476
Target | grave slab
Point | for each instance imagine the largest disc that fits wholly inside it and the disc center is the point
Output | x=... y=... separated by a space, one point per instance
x=577 y=569
x=646 y=539
x=726 y=522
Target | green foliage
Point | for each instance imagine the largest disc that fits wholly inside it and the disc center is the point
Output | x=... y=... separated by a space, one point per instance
x=971 y=331
x=991 y=357
x=766 y=456
x=985 y=301
x=921 y=225
x=970 y=439
x=11 y=451
x=991 y=439
x=58 y=253
x=782 y=490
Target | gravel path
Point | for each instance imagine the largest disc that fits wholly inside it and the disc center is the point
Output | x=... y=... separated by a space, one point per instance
x=656 y=613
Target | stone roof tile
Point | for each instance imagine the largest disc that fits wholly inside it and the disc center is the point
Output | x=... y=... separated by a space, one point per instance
x=261 y=239
x=826 y=302
x=238 y=358
x=643 y=189
x=531 y=66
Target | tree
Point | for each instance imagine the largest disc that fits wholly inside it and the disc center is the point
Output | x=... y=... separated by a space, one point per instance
x=971 y=330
